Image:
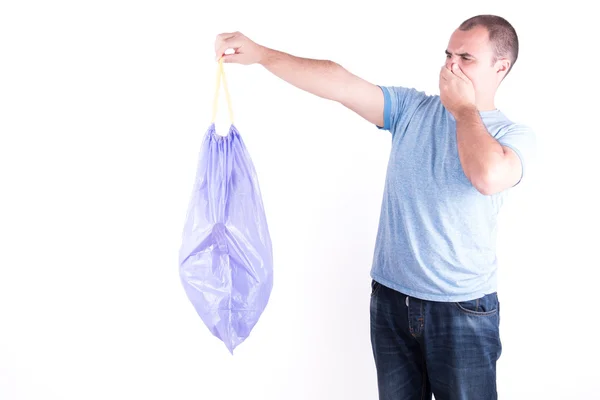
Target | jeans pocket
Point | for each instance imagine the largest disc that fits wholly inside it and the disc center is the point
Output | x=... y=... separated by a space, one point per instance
x=486 y=305
x=375 y=286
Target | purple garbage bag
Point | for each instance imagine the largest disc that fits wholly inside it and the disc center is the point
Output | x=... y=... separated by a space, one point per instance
x=225 y=258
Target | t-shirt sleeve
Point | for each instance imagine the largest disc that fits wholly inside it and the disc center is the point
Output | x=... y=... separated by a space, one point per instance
x=397 y=101
x=522 y=140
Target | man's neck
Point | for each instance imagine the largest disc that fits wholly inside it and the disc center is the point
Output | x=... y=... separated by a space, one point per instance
x=486 y=104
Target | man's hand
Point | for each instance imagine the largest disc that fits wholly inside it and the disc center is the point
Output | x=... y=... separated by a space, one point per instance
x=245 y=50
x=456 y=90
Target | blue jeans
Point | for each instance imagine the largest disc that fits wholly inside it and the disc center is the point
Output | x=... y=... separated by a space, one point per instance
x=424 y=347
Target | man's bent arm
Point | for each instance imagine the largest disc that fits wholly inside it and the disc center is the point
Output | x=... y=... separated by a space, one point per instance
x=489 y=166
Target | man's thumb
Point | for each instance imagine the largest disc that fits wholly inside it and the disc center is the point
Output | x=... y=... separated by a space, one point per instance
x=231 y=58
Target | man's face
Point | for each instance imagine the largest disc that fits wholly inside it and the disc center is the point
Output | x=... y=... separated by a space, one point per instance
x=473 y=53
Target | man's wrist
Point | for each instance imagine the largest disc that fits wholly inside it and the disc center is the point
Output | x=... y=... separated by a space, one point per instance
x=265 y=56
x=467 y=112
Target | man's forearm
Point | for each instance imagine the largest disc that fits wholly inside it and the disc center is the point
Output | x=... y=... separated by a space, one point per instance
x=322 y=78
x=480 y=154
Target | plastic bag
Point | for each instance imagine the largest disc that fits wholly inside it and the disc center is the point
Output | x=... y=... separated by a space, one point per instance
x=225 y=258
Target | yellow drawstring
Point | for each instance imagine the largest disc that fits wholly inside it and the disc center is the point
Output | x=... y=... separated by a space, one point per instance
x=221 y=75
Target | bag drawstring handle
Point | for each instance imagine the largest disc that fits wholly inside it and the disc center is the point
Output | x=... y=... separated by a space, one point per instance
x=221 y=76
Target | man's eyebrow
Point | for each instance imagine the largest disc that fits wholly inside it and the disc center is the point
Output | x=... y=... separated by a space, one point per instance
x=468 y=55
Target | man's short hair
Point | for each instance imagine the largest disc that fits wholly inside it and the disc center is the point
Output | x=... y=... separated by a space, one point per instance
x=502 y=35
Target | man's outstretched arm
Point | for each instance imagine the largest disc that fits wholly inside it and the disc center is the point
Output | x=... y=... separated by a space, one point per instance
x=323 y=78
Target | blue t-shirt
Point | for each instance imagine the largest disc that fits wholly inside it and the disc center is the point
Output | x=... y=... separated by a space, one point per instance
x=437 y=234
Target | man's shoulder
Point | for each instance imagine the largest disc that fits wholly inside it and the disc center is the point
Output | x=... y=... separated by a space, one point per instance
x=407 y=99
x=399 y=104
x=500 y=125
x=406 y=92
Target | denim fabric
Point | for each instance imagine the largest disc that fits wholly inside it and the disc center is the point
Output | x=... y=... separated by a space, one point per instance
x=422 y=347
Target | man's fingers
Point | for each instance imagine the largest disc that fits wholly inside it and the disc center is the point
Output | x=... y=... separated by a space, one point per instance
x=228 y=40
x=458 y=72
x=227 y=35
x=445 y=73
x=231 y=43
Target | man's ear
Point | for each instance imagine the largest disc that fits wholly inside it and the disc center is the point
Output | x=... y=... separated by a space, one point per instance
x=502 y=66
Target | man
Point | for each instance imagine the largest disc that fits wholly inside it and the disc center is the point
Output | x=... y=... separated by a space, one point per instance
x=434 y=307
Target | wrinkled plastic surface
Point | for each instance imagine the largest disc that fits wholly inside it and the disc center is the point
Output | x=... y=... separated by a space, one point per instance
x=225 y=259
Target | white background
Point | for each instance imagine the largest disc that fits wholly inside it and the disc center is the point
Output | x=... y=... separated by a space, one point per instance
x=103 y=106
